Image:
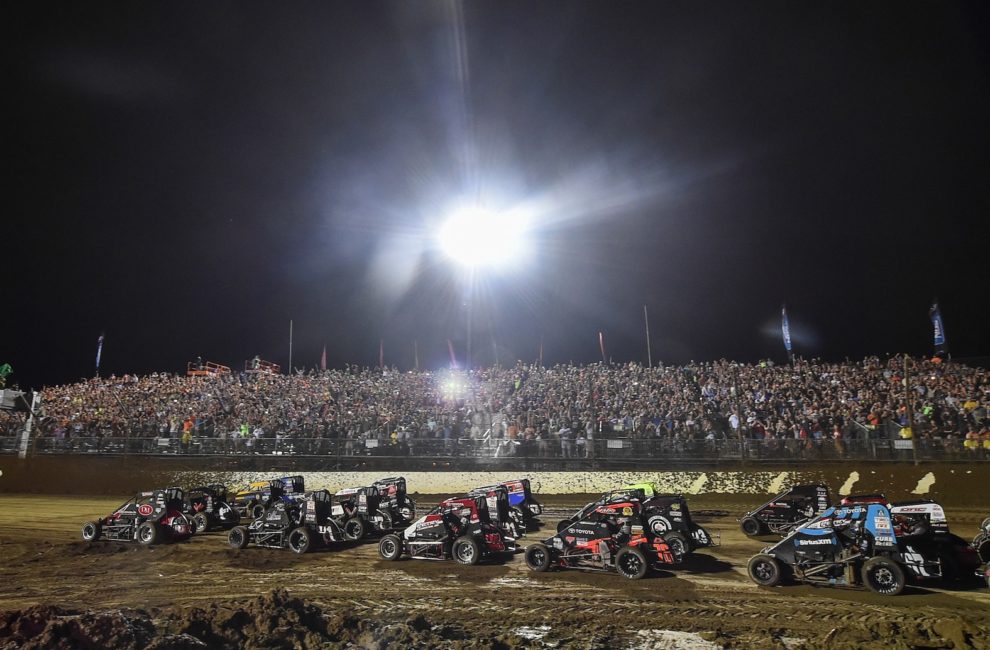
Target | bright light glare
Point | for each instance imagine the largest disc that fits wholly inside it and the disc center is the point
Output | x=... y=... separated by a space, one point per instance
x=477 y=237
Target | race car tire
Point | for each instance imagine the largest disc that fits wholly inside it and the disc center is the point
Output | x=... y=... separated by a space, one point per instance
x=202 y=522
x=238 y=537
x=91 y=531
x=750 y=526
x=764 y=570
x=562 y=524
x=300 y=540
x=982 y=547
x=631 y=563
x=883 y=576
x=257 y=511
x=390 y=547
x=679 y=545
x=149 y=533
x=466 y=551
x=355 y=528
x=538 y=557
x=985 y=524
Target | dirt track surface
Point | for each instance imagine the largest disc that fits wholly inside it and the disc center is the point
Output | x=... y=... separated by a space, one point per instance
x=204 y=590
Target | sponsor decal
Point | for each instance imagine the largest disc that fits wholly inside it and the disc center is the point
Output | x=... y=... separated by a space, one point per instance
x=145 y=510
x=881 y=523
x=658 y=525
x=627 y=511
x=814 y=542
x=675 y=506
x=883 y=540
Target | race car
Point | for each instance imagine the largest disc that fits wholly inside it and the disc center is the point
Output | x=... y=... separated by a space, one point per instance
x=787 y=510
x=207 y=506
x=149 y=518
x=512 y=523
x=297 y=525
x=608 y=537
x=521 y=499
x=667 y=515
x=394 y=499
x=847 y=546
x=361 y=511
x=251 y=501
x=459 y=528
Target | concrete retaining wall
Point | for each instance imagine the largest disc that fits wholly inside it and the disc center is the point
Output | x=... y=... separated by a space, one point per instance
x=955 y=484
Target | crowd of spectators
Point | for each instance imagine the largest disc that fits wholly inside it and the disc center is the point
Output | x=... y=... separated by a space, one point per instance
x=541 y=411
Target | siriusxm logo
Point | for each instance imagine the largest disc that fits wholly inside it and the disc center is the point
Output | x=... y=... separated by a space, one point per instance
x=813 y=542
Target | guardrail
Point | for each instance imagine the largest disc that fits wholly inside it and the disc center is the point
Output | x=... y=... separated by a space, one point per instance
x=613 y=449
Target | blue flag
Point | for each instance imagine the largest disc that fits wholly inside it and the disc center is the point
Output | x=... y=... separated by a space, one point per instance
x=785 y=328
x=936 y=315
x=99 y=351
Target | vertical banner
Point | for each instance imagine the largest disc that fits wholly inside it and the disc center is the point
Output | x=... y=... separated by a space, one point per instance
x=323 y=358
x=601 y=344
x=941 y=344
x=99 y=353
x=785 y=329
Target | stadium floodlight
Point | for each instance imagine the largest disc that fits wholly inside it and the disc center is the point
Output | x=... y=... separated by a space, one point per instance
x=476 y=237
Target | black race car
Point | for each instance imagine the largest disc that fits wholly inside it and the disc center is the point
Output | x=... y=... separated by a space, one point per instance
x=298 y=525
x=207 y=506
x=394 y=500
x=849 y=545
x=787 y=510
x=607 y=537
x=512 y=523
x=251 y=501
x=667 y=515
x=521 y=499
x=362 y=511
x=457 y=528
x=149 y=518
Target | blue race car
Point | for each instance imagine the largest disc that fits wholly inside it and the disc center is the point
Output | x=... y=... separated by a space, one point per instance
x=848 y=546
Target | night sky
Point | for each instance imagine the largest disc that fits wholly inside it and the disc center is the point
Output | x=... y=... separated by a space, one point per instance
x=188 y=178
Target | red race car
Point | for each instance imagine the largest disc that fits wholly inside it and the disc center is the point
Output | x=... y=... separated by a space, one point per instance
x=148 y=518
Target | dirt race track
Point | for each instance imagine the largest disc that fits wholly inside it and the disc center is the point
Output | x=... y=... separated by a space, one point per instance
x=60 y=591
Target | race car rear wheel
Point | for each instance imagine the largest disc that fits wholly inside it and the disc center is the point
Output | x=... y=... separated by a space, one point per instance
x=750 y=526
x=466 y=551
x=764 y=570
x=538 y=557
x=883 y=576
x=390 y=547
x=355 y=528
x=257 y=510
x=91 y=531
x=300 y=540
x=238 y=537
x=982 y=547
x=985 y=524
x=149 y=533
x=631 y=563
x=679 y=545
x=564 y=523
x=201 y=521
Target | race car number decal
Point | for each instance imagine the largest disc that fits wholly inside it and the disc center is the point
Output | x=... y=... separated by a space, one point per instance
x=145 y=509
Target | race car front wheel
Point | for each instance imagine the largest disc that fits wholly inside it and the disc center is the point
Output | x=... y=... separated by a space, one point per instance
x=466 y=551
x=750 y=526
x=355 y=528
x=300 y=540
x=390 y=547
x=678 y=544
x=764 y=570
x=91 y=531
x=202 y=522
x=149 y=533
x=631 y=563
x=883 y=576
x=538 y=557
x=238 y=537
